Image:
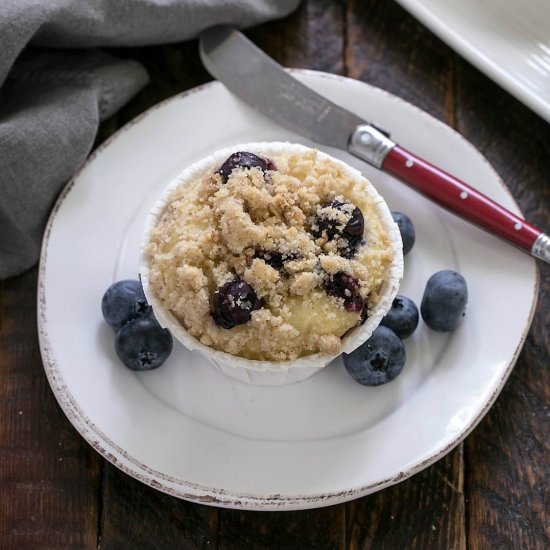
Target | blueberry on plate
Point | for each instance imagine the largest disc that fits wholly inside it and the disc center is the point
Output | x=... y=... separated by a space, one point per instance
x=123 y=301
x=233 y=304
x=444 y=300
x=244 y=159
x=379 y=360
x=406 y=228
x=402 y=317
x=142 y=344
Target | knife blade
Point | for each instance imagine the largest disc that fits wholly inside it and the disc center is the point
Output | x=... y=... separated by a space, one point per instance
x=261 y=82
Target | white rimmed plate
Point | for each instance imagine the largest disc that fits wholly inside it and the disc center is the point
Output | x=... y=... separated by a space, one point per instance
x=508 y=40
x=190 y=431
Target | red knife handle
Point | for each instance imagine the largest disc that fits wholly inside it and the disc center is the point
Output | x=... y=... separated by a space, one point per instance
x=459 y=197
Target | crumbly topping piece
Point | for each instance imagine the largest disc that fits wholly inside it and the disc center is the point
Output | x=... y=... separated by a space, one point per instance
x=262 y=226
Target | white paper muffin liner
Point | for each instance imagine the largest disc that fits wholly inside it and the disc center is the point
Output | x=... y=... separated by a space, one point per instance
x=271 y=373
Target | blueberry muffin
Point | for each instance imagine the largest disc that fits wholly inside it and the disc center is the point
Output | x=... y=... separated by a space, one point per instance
x=272 y=252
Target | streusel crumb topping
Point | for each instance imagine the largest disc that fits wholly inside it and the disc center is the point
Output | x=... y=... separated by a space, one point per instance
x=270 y=262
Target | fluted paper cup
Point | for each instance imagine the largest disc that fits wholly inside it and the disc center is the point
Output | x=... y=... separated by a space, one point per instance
x=271 y=373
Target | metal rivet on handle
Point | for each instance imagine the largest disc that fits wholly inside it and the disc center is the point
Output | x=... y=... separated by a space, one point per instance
x=365 y=138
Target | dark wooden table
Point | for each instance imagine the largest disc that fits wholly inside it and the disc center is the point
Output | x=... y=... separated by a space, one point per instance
x=491 y=492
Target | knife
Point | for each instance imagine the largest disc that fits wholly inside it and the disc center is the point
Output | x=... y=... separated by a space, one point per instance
x=265 y=85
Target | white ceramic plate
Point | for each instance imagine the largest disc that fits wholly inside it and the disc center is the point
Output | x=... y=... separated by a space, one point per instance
x=190 y=431
x=508 y=40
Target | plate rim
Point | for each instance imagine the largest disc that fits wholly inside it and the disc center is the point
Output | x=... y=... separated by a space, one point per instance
x=180 y=488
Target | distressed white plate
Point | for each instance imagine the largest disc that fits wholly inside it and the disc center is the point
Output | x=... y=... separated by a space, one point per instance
x=188 y=430
x=508 y=40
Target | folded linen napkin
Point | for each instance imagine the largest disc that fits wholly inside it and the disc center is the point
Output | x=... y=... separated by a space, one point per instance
x=53 y=96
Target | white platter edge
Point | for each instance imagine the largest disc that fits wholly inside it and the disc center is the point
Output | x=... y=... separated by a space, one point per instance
x=497 y=72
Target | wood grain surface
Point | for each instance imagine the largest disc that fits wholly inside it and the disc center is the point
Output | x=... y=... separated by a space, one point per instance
x=489 y=492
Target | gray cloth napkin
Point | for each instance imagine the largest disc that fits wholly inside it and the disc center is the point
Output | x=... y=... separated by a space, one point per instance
x=53 y=96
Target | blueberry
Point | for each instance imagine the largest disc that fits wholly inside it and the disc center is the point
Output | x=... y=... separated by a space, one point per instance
x=403 y=316
x=142 y=344
x=444 y=301
x=346 y=287
x=243 y=159
x=350 y=236
x=234 y=303
x=364 y=313
x=379 y=360
x=123 y=301
x=406 y=228
x=276 y=259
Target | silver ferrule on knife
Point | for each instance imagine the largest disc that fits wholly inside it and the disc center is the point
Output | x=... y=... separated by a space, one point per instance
x=541 y=248
x=370 y=144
